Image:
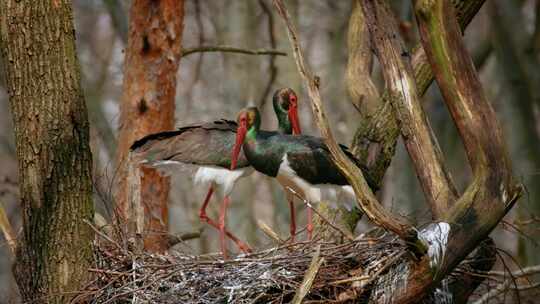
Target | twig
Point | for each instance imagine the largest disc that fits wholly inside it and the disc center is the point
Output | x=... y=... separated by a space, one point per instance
x=269 y=232
x=231 y=49
x=7 y=229
x=311 y=273
x=106 y=237
x=175 y=239
x=527 y=271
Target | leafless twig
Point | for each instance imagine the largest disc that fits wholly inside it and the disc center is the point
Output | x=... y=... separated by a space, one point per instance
x=231 y=49
x=270 y=232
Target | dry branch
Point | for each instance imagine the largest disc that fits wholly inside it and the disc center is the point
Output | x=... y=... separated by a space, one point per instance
x=230 y=49
x=465 y=12
x=423 y=148
x=363 y=92
x=365 y=196
x=270 y=232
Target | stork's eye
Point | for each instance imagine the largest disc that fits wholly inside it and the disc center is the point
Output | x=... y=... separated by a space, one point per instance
x=292 y=98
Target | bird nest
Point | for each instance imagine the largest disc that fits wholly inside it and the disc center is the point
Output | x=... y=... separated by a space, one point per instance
x=315 y=272
x=372 y=268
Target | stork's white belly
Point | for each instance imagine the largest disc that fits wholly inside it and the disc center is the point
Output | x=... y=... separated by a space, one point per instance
x=224 y=177
x=314 y=193
x=220 y=176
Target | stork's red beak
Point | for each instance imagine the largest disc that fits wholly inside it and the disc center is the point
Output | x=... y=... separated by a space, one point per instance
x=293 y=118
x=240 y=135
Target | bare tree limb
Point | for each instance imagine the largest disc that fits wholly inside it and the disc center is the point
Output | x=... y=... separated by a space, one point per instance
x=179 y=238
x=363 y=92
x=423 y=148
x=364 y=195
x=465 y=11
x=230 y=49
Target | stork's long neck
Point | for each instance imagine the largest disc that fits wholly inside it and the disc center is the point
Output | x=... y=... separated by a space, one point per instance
x=284 y=124
x=261 y=154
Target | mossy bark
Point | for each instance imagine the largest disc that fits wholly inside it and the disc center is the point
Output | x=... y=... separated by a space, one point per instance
x=375 y=138
x=52 y=139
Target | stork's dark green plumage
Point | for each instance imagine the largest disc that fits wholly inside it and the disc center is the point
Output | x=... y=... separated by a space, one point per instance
x=307 y=155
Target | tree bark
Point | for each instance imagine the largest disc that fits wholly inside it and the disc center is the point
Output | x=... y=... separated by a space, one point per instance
x=404 y=96
x=52 y=140
x=150 y=68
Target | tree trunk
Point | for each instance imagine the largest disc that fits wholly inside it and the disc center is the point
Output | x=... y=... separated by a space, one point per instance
x=150 y=68
x=52 y=140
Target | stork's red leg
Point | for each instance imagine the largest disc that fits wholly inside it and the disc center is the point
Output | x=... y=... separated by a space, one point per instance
x=222 y=214
x=202 y=211
x=293 y=219
x=204 y=217
x=309 y=227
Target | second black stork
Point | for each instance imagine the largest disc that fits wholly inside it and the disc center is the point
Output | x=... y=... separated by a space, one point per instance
x=301 y=162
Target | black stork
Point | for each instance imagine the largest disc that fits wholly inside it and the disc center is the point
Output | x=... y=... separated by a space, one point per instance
x=301 y=162
x=208 y=147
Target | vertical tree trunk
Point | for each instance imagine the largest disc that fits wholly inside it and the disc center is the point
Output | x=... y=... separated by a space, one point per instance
x=150 y=68
x=51 y=131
